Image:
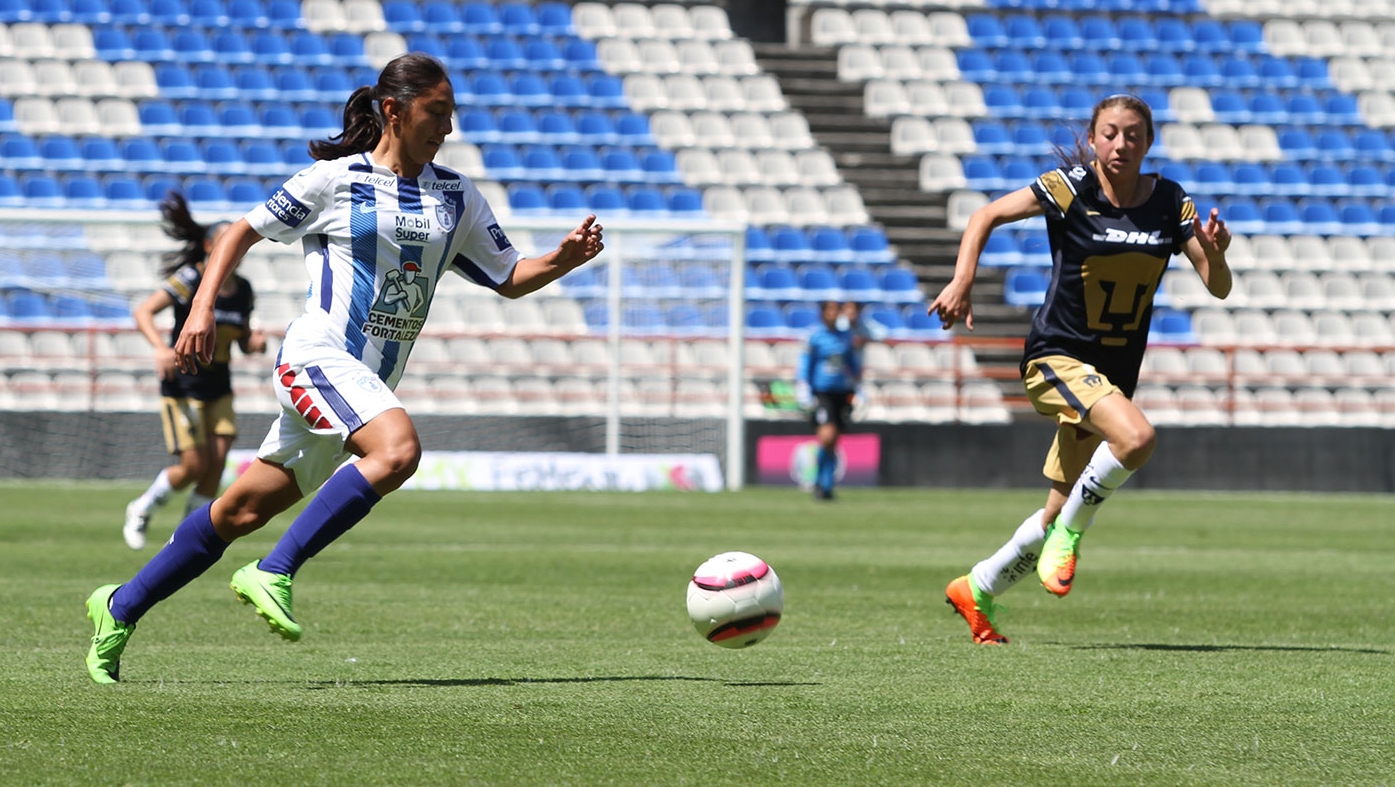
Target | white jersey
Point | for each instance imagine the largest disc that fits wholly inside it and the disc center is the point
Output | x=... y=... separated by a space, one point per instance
x=375 y=247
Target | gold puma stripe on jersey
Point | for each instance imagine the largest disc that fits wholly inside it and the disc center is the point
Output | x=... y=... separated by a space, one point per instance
x=1058 y=189
x=1188 y=210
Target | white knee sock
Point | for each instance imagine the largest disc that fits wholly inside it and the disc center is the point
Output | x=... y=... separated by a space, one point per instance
x=1096 y=483
x=158 y=493
x=195 y=502
x=1014 y=560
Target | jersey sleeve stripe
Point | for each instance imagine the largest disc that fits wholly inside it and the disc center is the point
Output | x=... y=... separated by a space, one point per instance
x=476 y=274
x=1058 y=189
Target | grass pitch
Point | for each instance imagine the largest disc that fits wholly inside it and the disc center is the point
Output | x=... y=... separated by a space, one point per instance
x=541 y=639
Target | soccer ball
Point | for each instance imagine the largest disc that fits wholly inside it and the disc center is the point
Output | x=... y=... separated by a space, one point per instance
x=735 y=600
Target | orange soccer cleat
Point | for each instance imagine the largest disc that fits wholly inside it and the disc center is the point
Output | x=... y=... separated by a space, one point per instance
x=976 y=608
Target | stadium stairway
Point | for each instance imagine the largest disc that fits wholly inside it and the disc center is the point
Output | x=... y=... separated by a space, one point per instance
x=915 y=221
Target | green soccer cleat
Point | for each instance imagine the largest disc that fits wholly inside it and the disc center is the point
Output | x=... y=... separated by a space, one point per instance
x=1056 y=569
x=109 y=637
x=270 y=594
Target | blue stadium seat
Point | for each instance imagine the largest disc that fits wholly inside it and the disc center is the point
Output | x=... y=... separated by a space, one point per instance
x=1326 y=180
x=232 y=47
x=1280 y=216
x=1201 y=70
x=764 y=320
x=1239 y=72
x=684 y=319
x=181 y=156
x=1334 y=144
x=480 y=19
x=1366 y=181
x=790 y=245
x=1099 y=33
x=517 y=126
x=858 y=284
x=982 y=173
x=1019 y=169
x=251 y=14
x=215 y=81
x=542 y=163
x=347 y=50
x=1052 y=67
x=1288 y=179
x=490 y=88
x=554 y=19
x=758 y=245
x=280 y=121
x=1023 y=32
x=1268 y=108
x=604 y=199
x=1276 y=72
x=331 y=85
x=1003 y=101
x=818 y=282
x=284 y=14
x=26 y=307
x=1077 y=104
x=527 y=199
x=991 y=138
x=319 y=122
x=1312 y=73
x=1170 y=326
x=1137 y=34
x=83 y=191
x=403 y=16
x=543 y=56
x=102 y=155
x=159 y=118
x=774 y=282
x=565 y=198
x=1230 y=107
x=1242 y=214
x=270 y=47
x=442 y=17
x=309 y=48
x=518 y=19
x=1160 y=102
x=10 y=194
x=685 y=203
x=569 y=91
x=1342 y=109
x=1304 y=109
x=621 y=166
x=1297 y=144
x=530 y=90
x=606 y=90
x=152 y=45
x=889 y=318
x=830 y=245
x=262 y=157
x=223 y=157
x=192 y=45
x=245 y=192
x=1252 y=178
x=632 y=128
x=1090 y=69
x=1319 y=217
x=976 y=65
x=1040 y=103
x=503 y=162
x=129 y=12
x=1025 y=287
x=801 y=317
x=581 y=55
x=41 y=190
x=465 y=53
x=1163 y=70
x=1181 y=172
x=7 y=116
x=660 y=167
x=596 y=128
x=1013 y=66
x=900 y=285
x=582 y=163
x=176 y=81
x=169 y=13
x=1062 y=33
x=255 y=83
x=923 y=326
x=209 y=14
x=505 y=54
x=1211 y=36
x=478 y=126
x=870 y=246
x=987 y=31
x=1357 y=218
x=61 y=154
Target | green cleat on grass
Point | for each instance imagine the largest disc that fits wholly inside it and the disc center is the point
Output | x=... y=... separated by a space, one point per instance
x=109 y=637
x=1056 y=569
x=270 y=594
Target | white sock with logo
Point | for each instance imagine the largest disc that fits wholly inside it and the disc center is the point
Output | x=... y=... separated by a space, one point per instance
x=1014 y=560
x=158 y=493
x=1096 y=483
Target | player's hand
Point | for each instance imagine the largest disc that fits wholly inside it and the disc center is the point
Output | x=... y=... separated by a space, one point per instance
x=803 y=396
x=581 y=244
x=1214 y=235
x=952 y=305
x=256 y=341
x=164 y=363
x=196 y=340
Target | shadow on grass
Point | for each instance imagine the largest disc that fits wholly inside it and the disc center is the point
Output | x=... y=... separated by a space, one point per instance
x=1226 y=648
x=452 y=682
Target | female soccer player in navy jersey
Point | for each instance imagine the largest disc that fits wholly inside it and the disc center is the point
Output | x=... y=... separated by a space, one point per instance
x=379 y=224
x=197 y=409
x=1112 y=230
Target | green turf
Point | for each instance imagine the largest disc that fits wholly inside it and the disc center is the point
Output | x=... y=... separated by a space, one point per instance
x=541 y=639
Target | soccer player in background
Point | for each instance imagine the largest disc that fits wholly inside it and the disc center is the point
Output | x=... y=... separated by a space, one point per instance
x=196 y=409
x=372 y=203
x=1112 y=231
x=826 y=382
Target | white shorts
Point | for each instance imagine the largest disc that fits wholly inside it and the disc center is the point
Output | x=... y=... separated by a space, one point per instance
x=326 y=395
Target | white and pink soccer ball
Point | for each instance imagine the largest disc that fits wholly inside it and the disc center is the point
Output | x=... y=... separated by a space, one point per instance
x=735 y=600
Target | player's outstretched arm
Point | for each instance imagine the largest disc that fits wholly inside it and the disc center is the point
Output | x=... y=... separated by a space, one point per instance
x=1206 y=251
x=953 y=304
x=579 y=247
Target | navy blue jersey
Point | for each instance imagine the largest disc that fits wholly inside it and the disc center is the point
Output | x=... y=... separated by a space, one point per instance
x=230 y=315
x=830 y=363
x=1106 y=264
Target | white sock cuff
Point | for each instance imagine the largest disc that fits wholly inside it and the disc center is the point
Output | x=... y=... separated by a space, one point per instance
x=1108 y=469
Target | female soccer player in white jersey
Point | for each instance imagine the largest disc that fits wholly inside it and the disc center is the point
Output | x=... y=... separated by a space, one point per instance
x=1112 y=231
x=379 y=224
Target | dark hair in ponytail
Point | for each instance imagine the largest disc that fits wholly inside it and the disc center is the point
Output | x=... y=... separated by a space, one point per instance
x=1080 y=154
x=403 y=79
x=178 y=223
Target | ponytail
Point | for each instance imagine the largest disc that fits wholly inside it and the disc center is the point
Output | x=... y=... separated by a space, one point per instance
x=363 y=127
x=178 y=224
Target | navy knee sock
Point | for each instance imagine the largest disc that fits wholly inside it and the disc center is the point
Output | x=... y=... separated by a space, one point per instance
x=346 y=498
x=828 y=465
x=192 y=550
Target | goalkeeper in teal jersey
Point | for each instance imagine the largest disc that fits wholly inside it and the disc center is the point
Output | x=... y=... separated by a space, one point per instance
x=826 y=382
